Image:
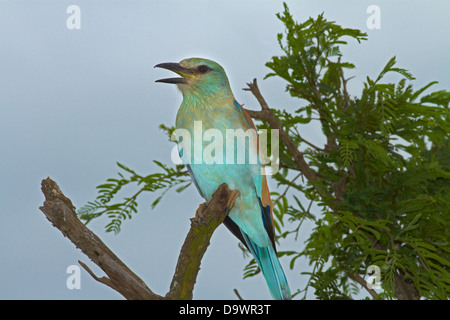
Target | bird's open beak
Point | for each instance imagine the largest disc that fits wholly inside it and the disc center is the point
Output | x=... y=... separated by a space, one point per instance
x=177 y=68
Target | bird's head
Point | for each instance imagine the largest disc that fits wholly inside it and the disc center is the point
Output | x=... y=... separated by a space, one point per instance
x=198 y=77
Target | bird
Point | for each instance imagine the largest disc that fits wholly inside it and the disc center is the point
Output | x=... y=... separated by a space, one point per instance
x=208 y=100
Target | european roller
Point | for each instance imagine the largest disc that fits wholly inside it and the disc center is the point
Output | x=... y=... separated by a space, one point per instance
x=209 y=106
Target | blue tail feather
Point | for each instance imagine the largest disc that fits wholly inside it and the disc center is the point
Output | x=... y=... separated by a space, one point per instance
x=271 y=268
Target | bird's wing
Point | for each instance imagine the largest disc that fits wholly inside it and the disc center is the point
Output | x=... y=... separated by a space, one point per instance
x=261 y=186
x=194 y=180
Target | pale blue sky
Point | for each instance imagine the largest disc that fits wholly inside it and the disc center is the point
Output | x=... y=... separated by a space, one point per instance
x=73 y=102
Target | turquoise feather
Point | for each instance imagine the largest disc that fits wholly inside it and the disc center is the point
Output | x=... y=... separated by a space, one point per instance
x=207 y=97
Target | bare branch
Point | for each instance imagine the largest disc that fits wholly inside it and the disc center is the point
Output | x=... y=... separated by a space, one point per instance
x=237 y=294
x=207 y=218
x=253 y=88
x=357 y=278
x=60 y=211
x=267 y=115
x=344 y=84
x=404 y=287
x=104 y=280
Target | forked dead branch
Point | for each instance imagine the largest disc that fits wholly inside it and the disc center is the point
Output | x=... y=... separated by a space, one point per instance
x=60 y=211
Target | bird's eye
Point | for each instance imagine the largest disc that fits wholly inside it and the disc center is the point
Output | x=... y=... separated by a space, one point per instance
x=203 y=69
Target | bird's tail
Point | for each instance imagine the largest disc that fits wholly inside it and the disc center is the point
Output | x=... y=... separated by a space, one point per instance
x=271 y=268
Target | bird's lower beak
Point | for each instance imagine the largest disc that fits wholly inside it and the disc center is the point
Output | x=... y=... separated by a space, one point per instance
x=177 y=68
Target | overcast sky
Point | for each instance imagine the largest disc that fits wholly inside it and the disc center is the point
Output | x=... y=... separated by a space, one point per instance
x=74 y=102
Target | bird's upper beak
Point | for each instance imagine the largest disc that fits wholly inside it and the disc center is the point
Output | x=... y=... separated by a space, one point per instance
x=177 y=68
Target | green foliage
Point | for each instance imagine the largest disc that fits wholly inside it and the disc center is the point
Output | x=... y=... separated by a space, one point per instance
x=385 y=168
x=117 y=212
x=381 y=196
x=166 y=179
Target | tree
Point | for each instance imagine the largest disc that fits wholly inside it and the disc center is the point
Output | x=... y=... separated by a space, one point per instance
x=381 y=180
